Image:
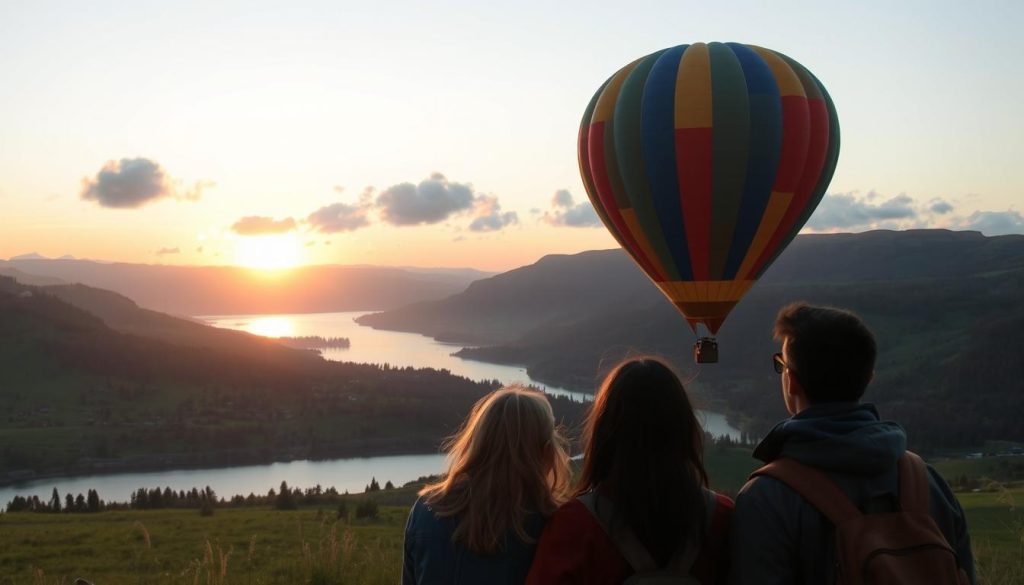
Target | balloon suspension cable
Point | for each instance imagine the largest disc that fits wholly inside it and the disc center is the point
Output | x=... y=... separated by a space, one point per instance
x=705 y=351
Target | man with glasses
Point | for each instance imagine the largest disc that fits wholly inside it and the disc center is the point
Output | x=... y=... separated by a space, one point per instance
x=826 y=363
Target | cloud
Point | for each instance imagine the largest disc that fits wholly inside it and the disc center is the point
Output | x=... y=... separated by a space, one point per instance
x=855 y=212
x=433 y=200
x=994 y=223
x=342 y=217
x=488 y=216
x=562 y=198
x=940 y=207
x=339 y=217
x=564 y=213
x=843 y=211
x=165 y=251
x=256 y=225
x=133 y=182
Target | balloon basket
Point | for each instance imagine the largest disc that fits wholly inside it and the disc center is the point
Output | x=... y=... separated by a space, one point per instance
x=705 y=351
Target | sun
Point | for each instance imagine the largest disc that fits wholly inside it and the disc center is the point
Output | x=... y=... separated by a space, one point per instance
x=270 y=252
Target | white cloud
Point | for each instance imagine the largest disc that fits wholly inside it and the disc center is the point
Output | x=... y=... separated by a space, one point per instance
x=994 y=223
x=854 y=212
x=433 y=200
x=488 y=216
x=133 y=182
x=564 y=213
x=850 y=211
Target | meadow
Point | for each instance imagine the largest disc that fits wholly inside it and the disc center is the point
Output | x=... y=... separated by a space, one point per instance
x=311 y=545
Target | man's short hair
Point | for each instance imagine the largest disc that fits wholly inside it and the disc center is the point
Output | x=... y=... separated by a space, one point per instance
x=831 y=352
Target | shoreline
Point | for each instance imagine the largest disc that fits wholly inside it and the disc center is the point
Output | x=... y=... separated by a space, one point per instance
x=168 y=463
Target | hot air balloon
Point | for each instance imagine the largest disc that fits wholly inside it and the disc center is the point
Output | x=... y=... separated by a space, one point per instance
x=704 y=161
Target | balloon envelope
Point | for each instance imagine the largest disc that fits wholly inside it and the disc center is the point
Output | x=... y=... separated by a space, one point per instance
x=704 y=161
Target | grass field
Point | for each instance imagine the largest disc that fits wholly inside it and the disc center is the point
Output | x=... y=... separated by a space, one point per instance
x=260 y=545
x=248 y=546
x=237 y=546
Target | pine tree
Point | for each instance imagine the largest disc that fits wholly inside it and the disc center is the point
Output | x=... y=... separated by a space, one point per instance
x=285 y=499
x=93 y=501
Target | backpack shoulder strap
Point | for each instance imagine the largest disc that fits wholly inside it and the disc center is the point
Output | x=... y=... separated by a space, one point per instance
x=625 y=540
x=813 y=486
x=914 y=491
x=683 y=561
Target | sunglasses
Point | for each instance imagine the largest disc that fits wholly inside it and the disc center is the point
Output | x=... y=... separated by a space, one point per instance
x=778 y=363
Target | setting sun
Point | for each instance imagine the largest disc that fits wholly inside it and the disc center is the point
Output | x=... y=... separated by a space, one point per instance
x=269 y=252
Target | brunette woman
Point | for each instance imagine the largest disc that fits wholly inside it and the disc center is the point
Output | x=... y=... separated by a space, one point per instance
x=642 y=505
x=508 y=472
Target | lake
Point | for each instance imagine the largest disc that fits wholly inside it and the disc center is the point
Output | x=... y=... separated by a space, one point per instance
x=367 y=346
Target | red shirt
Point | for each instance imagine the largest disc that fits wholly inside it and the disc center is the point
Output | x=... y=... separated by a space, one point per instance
x=574 y=549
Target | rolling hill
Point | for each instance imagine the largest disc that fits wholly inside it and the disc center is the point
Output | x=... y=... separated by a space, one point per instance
x=116 y=387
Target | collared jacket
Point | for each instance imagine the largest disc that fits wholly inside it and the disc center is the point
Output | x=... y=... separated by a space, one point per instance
x=778 y=537
x=432 y=557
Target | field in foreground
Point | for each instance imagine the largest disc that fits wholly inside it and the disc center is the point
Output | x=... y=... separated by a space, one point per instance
x=261 y=545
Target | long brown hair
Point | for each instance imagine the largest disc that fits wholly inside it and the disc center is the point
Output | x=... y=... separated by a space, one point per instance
x=507 y=461
x=644 y=451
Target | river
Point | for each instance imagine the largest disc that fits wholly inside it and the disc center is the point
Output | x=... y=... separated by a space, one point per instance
x=367 y=346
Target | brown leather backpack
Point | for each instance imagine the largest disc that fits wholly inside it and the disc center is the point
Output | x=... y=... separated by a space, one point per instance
x=901 y=547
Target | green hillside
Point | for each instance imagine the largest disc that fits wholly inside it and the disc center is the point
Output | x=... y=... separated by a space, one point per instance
x=79 y=396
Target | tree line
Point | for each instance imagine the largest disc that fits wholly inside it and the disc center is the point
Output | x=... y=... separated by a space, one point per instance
x=205 y=500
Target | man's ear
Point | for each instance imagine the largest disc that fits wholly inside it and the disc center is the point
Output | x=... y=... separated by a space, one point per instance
x=794 y=385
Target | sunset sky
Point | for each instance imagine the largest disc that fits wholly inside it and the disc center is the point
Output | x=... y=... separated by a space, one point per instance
x=443 y=133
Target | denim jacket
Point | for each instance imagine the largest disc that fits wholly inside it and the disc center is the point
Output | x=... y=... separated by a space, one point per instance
x=432 y=558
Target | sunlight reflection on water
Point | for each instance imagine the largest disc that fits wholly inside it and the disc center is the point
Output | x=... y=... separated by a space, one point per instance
x=271 y=327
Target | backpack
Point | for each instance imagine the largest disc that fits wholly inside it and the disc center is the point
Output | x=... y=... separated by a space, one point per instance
x=645 y=569
x=904 y=546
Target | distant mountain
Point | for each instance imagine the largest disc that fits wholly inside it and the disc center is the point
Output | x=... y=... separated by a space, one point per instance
x=210 y=290
x=30 y=256
x=26 y=278
x=939 y=302
x=557 y=289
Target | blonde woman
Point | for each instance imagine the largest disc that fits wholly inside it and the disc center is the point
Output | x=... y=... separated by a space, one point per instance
x=508 y=472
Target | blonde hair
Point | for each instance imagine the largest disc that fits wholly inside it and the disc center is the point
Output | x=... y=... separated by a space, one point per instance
x=507 y=461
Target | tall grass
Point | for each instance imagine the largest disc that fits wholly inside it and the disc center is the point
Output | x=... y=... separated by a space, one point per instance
x=328 y=560
x=1002 y=565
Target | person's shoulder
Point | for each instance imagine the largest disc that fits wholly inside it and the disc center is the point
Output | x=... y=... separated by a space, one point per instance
x=765 y=492
x=420 y=506
x=572 y=517
x=422 y=518
x=573 y=511
x=723 y=502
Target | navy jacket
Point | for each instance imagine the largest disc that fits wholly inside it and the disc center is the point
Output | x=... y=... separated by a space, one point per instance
x=431 y=558
x=778 y=537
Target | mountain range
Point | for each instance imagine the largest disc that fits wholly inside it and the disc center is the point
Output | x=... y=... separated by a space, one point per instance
x=945 y=306
x=215 y=290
